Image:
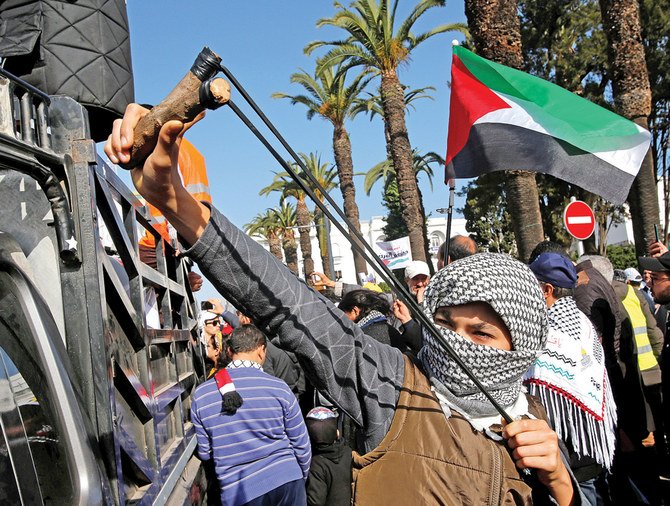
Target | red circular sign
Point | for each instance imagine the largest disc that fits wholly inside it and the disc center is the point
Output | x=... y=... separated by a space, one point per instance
x=579 y=220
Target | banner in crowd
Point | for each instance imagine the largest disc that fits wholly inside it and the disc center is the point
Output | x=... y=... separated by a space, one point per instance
x=503 y=119
x=395 y=254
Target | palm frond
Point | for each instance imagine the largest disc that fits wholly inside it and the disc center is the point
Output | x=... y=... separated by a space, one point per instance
x=451 y=27
x=419 y=9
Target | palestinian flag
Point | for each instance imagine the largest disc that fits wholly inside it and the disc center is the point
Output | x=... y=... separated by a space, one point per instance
x=504 y=119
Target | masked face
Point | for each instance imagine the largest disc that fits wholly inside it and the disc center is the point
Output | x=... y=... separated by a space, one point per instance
x=477 y=322
x=490 y=310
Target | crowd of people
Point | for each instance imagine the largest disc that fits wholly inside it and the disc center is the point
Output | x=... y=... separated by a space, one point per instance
x=362 y=404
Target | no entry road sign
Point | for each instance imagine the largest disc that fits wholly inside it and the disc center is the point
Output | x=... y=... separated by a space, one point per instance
x=579 y=220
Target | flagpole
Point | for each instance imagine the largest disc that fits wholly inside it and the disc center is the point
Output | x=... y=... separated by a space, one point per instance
x=449 y=211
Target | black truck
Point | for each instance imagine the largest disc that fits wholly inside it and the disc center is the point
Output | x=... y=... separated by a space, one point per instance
x=94 y=403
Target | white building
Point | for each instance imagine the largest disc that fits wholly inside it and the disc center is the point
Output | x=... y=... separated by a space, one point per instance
x=371 y=230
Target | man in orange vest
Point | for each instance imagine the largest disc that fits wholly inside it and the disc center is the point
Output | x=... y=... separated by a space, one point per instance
x=193 y=172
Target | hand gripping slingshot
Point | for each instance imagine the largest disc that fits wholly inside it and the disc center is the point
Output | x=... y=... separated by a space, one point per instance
x=200 y=90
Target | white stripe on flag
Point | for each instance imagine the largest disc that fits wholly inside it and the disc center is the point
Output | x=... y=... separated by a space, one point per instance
x=523 y=112
x=579 y=220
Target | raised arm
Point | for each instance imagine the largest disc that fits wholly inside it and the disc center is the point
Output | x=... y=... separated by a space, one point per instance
x=361 y=376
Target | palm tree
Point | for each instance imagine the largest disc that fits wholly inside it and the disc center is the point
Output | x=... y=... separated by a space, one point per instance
x=266 y=225
x=289 y=188
x=326 y=176
x=632 y=99
x=330 y=98
x=384 y=171
x=495 y=29
x=376 y=43
x=287 y=222
x=373 y=106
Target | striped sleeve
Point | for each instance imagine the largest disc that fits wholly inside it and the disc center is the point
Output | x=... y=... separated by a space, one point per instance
x=296 y=430
x=359 y=375
x=204 y=448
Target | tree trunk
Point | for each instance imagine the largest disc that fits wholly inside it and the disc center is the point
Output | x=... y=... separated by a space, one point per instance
x=345 y=171
x=524 y=203
x=495 y=29
x=290 y=248
x=590 y=246
x=274 y=243
x=393 y=103
x=632 y=99
x=426 y=242
x=322 y=235
x=304 y=224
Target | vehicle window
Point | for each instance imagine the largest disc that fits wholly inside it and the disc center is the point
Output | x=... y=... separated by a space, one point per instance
x=30 y=396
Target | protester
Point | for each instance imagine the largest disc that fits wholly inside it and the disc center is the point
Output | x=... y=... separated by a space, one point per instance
x=595 y=297
x=660 y=287
x=635 y=279
x=257 y=439
x=636 y=478
x=279 y=363
x=320 y=281
x=570 y=377
x=489 y=307
x=547 y=247
x=209 y=324
x=460 y=246
x=217 y=358
x=227 y=316
x=370 y=311
x=329 y=481
x=417 y=276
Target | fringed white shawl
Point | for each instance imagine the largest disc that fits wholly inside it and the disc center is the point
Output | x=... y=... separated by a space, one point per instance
x=571 y=381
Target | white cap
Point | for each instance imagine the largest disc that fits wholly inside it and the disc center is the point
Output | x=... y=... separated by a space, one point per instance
x=206 y=315
x=415 y=268
x=633 y=275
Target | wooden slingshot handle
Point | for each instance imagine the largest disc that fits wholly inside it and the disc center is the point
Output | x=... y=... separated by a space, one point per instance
x=197 y=91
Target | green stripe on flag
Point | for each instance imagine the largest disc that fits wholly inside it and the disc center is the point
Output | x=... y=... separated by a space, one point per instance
x=562 y=113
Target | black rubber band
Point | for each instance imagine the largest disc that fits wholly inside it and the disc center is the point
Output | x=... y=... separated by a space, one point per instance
x=206 y=64
x=205 y=96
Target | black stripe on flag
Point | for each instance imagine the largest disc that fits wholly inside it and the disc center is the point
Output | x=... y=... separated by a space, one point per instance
x=498 y=146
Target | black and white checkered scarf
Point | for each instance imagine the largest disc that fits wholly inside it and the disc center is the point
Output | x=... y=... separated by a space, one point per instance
x=512 y=290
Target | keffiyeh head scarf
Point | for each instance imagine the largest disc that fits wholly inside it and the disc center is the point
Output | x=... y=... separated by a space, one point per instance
x=511 y=289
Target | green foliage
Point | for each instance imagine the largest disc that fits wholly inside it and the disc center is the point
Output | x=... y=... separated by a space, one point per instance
x=376 y=40
x=328 y=95
x=563 y=42
x=486 y=214
x=554 y=196
x=622 y=257
x=655 y=19
x=384 y=287
x=395 y=225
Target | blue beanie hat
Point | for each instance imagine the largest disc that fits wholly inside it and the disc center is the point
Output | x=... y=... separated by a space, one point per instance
x=555 y=269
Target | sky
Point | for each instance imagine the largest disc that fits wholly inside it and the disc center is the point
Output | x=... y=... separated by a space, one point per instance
x=261 y=42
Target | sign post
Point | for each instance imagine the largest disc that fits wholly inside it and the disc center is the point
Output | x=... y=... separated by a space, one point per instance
x=579 y=221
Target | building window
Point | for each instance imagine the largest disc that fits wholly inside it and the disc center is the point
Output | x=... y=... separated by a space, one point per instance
x=436 y=239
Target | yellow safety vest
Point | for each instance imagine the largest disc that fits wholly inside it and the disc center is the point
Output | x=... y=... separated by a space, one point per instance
x=645 y=355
